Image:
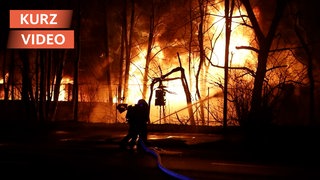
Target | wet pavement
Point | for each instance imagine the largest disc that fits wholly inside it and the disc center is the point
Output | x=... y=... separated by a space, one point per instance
x=93 y=153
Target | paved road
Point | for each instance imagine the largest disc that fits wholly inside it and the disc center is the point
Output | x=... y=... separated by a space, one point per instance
x=74 y=158
x=94 y=154
x=207 y=157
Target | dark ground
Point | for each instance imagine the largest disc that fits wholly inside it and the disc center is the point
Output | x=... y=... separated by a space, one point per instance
x=81 y=150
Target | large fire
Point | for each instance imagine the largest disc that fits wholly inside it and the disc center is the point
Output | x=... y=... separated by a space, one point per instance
x=164 y=58
x=215 y=43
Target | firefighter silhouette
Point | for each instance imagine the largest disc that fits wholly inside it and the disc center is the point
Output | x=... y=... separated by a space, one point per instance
x=137 y=118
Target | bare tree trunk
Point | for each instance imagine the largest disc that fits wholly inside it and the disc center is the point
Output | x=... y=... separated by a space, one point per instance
x=12 y=76
x=149 y=49
x=42 y=95
x=310 y=74
x=190 y=43
x=37 y=82
x=107 y=55
x=36 y=64
x=27 y=95
x=128 y=42
x=3 y=39
x=187 y=93
x=189 y=101
x=257 y=113
x=25 y=75
x=10 y=82
x=228 y=17
x=5 y=84
x=126 y=53
x=48 y=83
x=202 y=56
x=121 y=86
x=60 y=57
x=75 y=89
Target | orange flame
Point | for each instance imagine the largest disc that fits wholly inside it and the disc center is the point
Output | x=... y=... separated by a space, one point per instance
x=240 y=36
x=65 y=89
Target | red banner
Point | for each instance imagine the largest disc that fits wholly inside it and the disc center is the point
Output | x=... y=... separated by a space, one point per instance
x=40 y=18
x=41 y=39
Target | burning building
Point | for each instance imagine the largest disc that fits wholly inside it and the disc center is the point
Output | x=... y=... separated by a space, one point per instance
x=125 y=46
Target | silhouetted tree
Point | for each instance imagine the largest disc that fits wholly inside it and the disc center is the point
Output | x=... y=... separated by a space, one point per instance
x=152 y=28
x=202 y=15
x=258 y=114
x=27 y=92
x=75 y=87
x=126 y=44
x=128 y=35
x=303 y=14
x=107 y=53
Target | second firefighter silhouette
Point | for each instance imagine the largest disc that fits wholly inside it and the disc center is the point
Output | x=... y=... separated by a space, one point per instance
x=137 y=118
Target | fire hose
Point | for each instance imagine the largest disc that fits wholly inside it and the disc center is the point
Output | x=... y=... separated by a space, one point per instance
x=159 y=163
